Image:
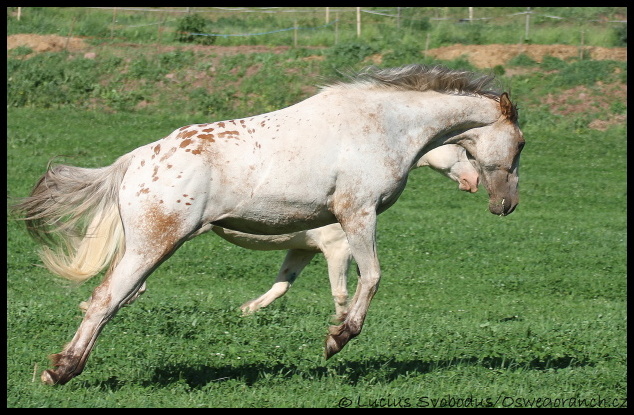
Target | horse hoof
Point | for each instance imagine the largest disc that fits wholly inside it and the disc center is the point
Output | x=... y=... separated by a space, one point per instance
x=49 y=377
x=334 y=341
x=331 y=348
x=248 y=308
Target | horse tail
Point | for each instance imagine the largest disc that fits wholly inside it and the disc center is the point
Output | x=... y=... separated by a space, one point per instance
x=74 y=213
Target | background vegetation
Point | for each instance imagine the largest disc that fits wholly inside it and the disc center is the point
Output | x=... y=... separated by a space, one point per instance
x=501 y=311
x=387 y=26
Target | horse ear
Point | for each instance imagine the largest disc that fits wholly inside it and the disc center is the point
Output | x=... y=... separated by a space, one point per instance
x=507 y=108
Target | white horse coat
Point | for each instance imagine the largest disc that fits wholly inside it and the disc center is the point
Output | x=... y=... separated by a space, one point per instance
x=342 y=156
x=450 y=160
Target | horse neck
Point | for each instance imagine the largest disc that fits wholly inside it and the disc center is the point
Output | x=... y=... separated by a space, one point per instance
x=439 y=117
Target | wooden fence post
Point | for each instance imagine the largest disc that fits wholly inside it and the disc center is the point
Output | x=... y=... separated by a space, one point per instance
x=581 y=46
x=528 y=18
x=70 y=32
x=426 y=45
x=114 y=19
x=336 y=27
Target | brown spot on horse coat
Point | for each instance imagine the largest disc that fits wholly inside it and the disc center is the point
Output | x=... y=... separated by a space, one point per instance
x=168 y=154
x=162 y=226
x=187 y=134
x=229 y=133
x=209 y=137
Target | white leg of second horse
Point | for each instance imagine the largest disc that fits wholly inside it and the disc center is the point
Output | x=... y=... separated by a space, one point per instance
x=361 y=233
x=294 y=262
x=338 y=257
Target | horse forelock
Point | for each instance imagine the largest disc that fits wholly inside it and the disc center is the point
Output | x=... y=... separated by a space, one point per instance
x=422 y=78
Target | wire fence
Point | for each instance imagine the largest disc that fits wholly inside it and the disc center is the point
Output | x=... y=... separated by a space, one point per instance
x=336 y=19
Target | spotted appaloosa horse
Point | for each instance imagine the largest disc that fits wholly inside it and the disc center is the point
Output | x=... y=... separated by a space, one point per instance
x=342 y=155
x=450 y=160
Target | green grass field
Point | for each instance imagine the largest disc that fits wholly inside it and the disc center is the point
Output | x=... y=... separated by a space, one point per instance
x=473 y=310
x=470 y=305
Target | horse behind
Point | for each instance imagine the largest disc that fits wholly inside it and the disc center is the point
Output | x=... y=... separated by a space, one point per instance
x=342 y=155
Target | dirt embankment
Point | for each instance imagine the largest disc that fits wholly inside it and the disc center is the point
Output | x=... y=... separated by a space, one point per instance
x=481 y=56
x=576 y=100
x=46 y=43
x=488 y=56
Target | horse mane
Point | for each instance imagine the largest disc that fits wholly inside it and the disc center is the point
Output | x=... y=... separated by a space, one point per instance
x=421 y=78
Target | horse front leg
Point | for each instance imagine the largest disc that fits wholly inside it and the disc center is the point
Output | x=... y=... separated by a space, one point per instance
x=118 y=288
x=361 y=233
x=294 y=262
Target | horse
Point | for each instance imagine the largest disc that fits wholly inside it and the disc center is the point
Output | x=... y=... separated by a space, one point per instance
x=450 y=160
x=342 y=155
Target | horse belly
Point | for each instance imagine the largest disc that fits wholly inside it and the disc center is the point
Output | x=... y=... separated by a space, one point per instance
x=296 y=240
x=275 y=217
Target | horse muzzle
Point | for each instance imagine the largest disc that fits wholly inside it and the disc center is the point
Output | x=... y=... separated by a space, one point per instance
x=503 y=193
x=503 y=206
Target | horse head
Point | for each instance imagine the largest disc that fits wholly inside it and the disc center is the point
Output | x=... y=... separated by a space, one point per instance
x=494 y=150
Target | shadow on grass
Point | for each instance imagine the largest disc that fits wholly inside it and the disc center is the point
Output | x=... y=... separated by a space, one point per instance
x=353 y=371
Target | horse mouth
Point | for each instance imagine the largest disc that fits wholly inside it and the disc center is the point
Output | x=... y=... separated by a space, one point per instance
x=503 y=192
x=502 y=207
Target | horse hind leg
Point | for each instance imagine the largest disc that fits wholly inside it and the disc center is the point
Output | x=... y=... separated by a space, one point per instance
x=118 y=287
x=145 y=250
x=294 y=262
